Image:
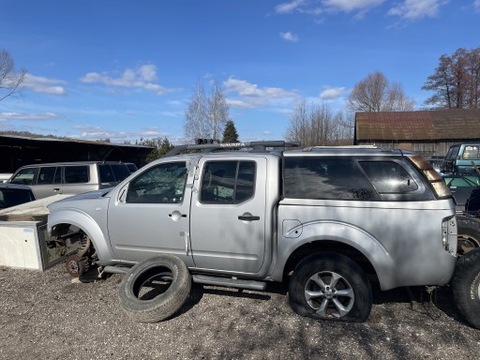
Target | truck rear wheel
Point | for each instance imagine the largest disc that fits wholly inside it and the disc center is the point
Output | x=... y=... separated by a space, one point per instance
x=330 y=286
x=155 y=289
x=466 y=287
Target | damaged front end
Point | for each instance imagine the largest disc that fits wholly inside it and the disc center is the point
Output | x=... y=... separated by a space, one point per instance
x=81 y=255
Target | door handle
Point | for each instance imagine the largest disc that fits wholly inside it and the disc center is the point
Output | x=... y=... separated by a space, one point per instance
x=248 y=217
x=177 y=215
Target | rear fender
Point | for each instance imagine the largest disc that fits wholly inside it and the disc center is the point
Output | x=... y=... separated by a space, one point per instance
x=343 y=233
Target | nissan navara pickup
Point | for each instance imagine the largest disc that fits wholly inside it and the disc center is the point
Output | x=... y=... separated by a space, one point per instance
x=327 y=221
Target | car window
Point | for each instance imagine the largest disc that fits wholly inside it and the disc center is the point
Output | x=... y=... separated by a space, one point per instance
x=49 y=175
x=120 y=171
x=228 y=182
x=106 y=173
x=25 y=176
x=453 y=155
x=132 y=167
x=471 y=152
x=164 y=183
x=76 y=174
x=11 y=197
x=389 y=177
x=337 y=178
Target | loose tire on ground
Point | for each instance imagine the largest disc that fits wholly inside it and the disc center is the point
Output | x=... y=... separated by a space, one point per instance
x=330 y=286
x=468 y=233
x=466 y=287
x=155 y=289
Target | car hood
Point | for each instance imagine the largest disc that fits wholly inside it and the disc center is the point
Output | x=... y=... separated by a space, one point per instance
x=83 y=196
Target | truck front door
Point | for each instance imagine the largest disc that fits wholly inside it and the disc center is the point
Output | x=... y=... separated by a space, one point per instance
x=151 y=216
x=227 y=224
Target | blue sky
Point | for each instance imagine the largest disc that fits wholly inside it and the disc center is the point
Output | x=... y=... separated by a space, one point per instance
x=126 y=70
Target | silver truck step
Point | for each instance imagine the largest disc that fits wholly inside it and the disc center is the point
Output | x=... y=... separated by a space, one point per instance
x=123 y=270
x=229 y=282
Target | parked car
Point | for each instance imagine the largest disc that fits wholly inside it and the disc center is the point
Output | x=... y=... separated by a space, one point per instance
x=325 y=220
x=12 y=195
x=462 y=159
x=466 y=191
x=70 y=177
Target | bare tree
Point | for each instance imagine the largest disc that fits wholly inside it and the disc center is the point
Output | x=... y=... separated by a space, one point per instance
x=313 y=124
x=206 y=114
x=375 y=93
x=10 y=79
x=456 y=81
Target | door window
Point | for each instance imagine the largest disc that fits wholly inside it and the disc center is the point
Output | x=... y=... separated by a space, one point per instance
x=49 y=175
x=164 y=183
x=25 y=176
x=227 y=182
x=76 y=174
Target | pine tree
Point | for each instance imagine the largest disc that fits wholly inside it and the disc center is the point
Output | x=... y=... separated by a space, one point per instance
x=230 y=134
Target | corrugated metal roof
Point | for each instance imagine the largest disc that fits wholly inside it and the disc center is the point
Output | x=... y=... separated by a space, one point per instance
x=418 y=125
x=69 y=140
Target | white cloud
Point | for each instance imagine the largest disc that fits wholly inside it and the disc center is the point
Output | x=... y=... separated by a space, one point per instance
x=252 y=96
x=289 y=36
x=476 y=5
x=27 y=116
x=144 y=77
x=317 y=7
x=89 y=132
x=285 y=8
x=43 y=85
x=332 y=93
x=351 y=5
x=417 y=9
x=407 y=9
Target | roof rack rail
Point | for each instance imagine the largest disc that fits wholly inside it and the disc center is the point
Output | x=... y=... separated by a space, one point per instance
x=256 y=146
x=310 y=148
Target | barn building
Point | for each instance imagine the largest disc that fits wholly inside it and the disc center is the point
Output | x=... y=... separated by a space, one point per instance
x=17 y=151
x=428 y=133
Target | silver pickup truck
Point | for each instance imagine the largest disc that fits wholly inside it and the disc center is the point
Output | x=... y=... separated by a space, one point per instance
x=325 y=220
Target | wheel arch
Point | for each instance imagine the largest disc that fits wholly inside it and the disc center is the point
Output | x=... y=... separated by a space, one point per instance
x=328 y=246
x=59 y=223
x=344 y=239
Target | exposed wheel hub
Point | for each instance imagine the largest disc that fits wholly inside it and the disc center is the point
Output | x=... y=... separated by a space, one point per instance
x=328 y=293
x=76 y=265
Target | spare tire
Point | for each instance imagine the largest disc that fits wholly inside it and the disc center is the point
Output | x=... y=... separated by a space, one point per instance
x=155 y=289
x=466 y=287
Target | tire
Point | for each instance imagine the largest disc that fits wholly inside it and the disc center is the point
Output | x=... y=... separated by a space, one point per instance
x=466 y=287
x=155 y=289
x=330 y=286
x=468 y=233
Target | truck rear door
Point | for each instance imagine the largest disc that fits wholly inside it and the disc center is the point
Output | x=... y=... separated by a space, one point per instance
x=227 y=222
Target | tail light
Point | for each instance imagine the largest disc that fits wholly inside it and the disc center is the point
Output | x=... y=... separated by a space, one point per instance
x=439 y=187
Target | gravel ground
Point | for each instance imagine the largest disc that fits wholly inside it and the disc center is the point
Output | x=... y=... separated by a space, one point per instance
x=46 y=315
